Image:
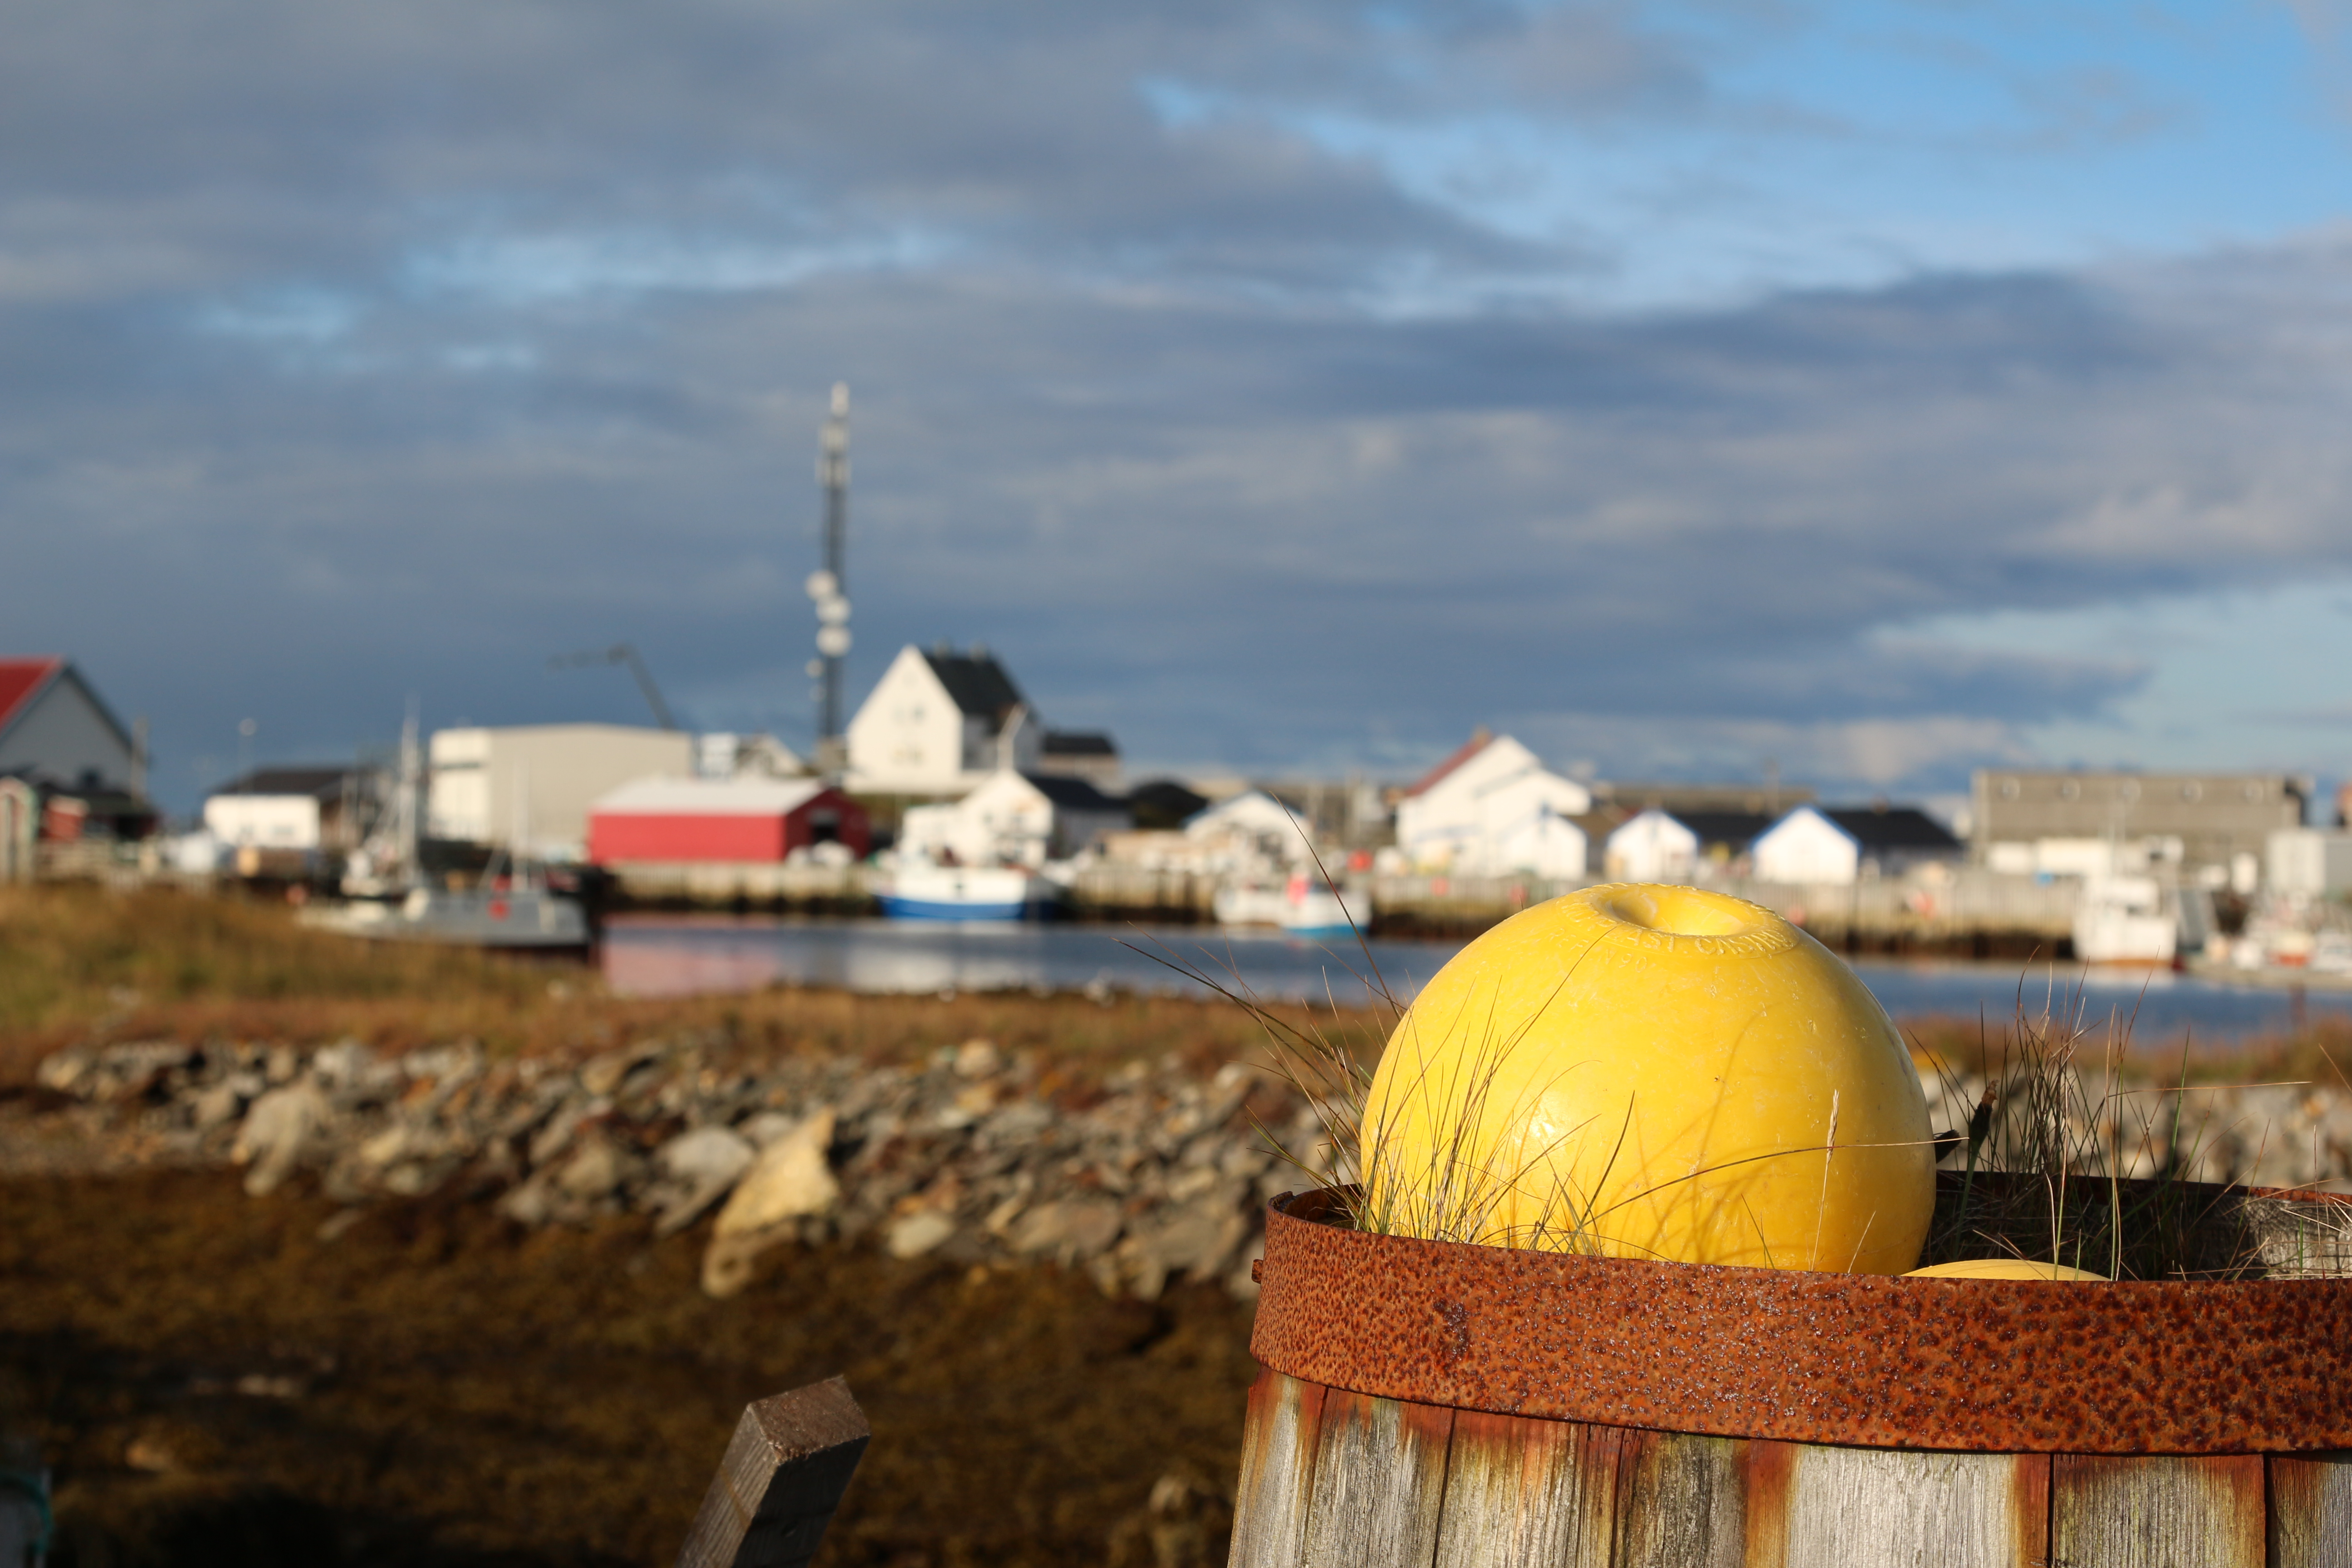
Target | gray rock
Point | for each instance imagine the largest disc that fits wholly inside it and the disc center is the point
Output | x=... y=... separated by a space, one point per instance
x=1196 y=1243
x=216 y=1105
x=67 y=1072
x=278 y=1132
x=911 y=1236
x=598 y=1169
x=1072 y=1229
x=698 y=1169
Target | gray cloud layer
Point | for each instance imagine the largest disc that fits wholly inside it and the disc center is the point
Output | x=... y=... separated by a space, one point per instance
x=347 y=352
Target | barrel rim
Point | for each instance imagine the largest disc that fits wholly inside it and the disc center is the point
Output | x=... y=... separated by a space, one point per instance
x=1969 y=1365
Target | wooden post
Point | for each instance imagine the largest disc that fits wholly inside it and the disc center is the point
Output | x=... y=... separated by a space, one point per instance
x=782 y=1479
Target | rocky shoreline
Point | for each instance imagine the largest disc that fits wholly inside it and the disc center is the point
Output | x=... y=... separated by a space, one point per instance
x=1142 y=1174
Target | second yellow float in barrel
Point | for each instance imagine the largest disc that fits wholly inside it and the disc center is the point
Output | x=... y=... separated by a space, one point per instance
x=1641 y=1071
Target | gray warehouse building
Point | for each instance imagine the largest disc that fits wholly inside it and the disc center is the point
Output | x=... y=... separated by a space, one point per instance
x=2214 y=817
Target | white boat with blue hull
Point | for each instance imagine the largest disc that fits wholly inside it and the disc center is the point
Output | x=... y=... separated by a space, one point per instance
x=922 y=891
x=1301 y=908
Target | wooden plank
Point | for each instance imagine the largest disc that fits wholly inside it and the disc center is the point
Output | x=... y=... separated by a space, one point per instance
x=2157 y=1513
x=1378 y=1481
x=1521 y=1491
x=2311 y=1511
x=1281 y=1437
x=782 y=1479
x=1885 y=1508
x=1681 y=1503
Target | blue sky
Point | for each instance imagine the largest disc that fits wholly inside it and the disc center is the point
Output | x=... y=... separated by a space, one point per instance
x=1880 y=390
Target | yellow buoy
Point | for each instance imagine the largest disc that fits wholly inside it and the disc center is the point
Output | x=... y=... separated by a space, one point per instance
x=2003 y=1268
x=1639 y=1070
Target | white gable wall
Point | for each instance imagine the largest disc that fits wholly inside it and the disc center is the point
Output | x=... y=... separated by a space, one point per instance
x=1807 y=848
x=908 y=737
x=1006 y=821
x=1460 y=822
x=1545 y=844
x=1249 y=829
x=1652 y=848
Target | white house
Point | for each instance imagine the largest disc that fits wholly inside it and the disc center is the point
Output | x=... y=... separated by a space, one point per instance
x=1493 y=808
x=1650 y=848
x=1247 y=830
x=941 y=722
x=290 y=808
x=1013 y=819
x=1824 y=845
x=539 y=780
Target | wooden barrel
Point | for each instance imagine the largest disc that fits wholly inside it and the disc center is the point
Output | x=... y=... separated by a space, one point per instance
x=1439 y=1405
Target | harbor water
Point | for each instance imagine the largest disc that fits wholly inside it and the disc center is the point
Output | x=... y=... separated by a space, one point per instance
x=672 y=955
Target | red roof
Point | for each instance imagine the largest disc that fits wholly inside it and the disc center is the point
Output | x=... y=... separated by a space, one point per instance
x=1470 y=748
x=20 y=680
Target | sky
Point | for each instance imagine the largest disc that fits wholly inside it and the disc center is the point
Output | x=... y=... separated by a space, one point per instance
x=1869 y=391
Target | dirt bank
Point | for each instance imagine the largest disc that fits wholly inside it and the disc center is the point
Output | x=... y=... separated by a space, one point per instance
x=215 y=1382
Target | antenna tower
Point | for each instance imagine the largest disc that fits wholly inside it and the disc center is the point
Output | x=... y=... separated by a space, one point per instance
x=828 y=588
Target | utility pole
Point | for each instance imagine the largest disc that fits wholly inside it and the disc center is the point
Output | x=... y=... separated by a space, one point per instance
x=828 y=588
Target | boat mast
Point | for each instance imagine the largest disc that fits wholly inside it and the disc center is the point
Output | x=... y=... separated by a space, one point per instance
x=829 y=587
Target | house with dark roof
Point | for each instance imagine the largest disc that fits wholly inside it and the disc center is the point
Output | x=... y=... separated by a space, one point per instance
x=941 y=722
x=55 y=730
x=1087 y=754
x=77 y=772
x=304 y=810
x=1657 y=845
x=1817 y=845
x=1013 y=819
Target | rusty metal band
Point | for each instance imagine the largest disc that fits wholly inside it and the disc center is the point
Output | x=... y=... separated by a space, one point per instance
x=1974 y=1366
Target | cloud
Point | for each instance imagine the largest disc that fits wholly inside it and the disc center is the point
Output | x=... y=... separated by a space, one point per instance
x=349 y=352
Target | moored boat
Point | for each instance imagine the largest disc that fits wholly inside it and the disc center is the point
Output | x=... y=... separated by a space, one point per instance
x=922 y=890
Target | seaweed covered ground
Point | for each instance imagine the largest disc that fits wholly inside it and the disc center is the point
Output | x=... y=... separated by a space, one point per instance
x=216 y=1379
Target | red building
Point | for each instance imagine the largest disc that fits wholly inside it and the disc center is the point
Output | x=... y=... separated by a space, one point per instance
x=674 y=820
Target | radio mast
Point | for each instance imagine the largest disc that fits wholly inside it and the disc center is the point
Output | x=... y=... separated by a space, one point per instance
x=828 y=589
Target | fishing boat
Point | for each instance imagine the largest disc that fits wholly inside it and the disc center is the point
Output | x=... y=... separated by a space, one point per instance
x=922 y=889
x=510 y=908
x=2124 y=919
x=1301 y=908
x=508 y=912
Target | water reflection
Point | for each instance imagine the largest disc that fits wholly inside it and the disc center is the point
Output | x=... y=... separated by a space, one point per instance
x=662 y=955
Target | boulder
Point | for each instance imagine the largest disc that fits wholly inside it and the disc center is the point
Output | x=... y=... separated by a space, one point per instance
x=1072 y=1229
x=698 y=1169
x=913 y=1235
x=791 y=1181
x=278 y=1132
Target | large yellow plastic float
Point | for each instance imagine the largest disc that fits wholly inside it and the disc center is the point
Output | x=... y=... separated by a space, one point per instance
x=1639 y=1070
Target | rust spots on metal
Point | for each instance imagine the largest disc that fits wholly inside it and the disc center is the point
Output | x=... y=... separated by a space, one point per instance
x=2172 y=1367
